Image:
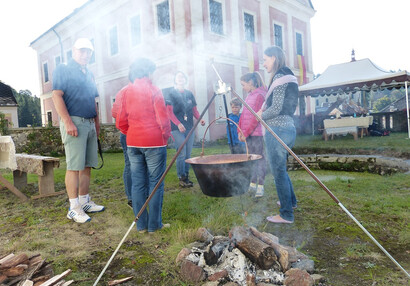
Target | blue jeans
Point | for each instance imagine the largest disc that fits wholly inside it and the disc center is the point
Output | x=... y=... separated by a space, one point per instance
x=179 y=138
x=126 y=175
x=277 y=157
x=147 y=167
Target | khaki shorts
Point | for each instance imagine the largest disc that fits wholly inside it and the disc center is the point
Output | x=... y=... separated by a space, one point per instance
x=80 y=151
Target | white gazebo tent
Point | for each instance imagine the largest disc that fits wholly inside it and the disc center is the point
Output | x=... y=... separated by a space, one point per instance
x=357 y=75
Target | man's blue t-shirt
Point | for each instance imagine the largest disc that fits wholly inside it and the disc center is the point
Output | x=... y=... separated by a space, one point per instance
x=79 y=89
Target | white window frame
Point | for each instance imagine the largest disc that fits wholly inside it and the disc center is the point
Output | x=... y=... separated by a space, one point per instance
x=154 y=7
x=283 y=33
x=130 y=29
x=223 y=18
x=296 y=44
x=48 y=71
x=49 y=111
x=93 y=54
x=255 y=28
x=109 y=40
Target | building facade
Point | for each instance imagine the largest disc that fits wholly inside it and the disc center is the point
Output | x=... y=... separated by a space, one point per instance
x=184 y=35
x=8 y=105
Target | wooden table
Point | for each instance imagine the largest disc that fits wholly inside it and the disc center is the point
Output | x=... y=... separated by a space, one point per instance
x=347 y=125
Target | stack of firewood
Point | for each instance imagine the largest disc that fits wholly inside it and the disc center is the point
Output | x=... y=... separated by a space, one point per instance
x=22 y=270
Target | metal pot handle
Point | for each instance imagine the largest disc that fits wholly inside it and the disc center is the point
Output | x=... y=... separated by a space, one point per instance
x=212 y=122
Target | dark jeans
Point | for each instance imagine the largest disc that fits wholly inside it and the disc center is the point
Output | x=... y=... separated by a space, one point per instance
x=255 y=146
x=126 y=175
x=277 y=157
x=179 y=138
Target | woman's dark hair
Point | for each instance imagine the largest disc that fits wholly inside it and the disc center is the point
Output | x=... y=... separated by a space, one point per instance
x=255 y=77
x=278 y=53
x=141 y=67
x=180 y=72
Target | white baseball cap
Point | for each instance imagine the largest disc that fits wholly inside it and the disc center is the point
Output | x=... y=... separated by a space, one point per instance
x=83 y=43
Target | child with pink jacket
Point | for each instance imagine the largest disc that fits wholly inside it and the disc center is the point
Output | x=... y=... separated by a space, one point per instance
x=253 y=84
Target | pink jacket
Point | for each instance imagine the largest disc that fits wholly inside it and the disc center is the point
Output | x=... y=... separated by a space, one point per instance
x=248 y=123
x=142 y=115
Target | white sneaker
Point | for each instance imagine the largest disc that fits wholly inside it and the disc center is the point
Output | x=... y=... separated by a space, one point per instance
x=78 y=215
x=252 y=187
x=92 y=207
x=260 y=191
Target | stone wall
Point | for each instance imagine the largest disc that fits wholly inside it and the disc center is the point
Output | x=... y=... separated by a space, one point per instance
x=46 y=141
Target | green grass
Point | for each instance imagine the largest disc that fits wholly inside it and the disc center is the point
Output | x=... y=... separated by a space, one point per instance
x=321 y=230
x=398 y=143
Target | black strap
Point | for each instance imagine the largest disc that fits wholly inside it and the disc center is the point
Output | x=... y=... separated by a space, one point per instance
x=100 y=151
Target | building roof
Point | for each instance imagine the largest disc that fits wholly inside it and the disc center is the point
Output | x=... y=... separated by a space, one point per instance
x=353 y=76
x=6 y=96
x=398 y=105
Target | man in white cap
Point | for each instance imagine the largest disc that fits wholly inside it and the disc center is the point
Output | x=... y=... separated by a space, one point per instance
x=74 y=93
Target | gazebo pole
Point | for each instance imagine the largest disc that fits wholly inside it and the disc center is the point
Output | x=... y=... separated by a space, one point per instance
x=407 y=108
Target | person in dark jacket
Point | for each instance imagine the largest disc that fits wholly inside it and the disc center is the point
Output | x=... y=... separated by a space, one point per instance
x=280 y=105
x=181 y=106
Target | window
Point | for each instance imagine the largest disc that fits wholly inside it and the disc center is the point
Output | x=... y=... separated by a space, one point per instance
x=69 y=55
x=113 y=37
x=216 y=17
x=278 y=35
x=163 y=19
x=49 y=119
x=57 y=60
x=299 y=44
x=92 y=60
x=249 y=25
x=135 y=30
x=45 y=72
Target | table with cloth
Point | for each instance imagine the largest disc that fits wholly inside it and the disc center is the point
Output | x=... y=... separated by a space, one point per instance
x=347 y=125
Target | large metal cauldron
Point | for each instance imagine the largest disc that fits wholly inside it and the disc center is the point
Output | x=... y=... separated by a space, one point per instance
x=223 y=175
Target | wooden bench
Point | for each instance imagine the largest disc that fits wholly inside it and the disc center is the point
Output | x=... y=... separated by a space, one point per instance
x=40 y=165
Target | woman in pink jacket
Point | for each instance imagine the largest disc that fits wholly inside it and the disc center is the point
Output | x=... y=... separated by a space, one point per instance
x=143 y=118
x=253 y=84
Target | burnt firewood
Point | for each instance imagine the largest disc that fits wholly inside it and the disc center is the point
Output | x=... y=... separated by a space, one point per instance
x=215 y=251
x=256 y=250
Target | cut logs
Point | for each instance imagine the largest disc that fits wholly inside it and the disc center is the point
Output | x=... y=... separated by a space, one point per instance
x=255 y=249
x=22 y=270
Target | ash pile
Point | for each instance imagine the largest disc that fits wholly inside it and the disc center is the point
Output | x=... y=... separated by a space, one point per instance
x=247 y=257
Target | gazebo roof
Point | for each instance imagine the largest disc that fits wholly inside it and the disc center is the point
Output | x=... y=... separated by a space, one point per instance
x=353 y=76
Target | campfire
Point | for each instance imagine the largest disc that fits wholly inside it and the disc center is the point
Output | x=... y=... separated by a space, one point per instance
x=246 y=257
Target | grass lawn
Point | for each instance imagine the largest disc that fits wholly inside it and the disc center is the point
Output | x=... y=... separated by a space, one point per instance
x=340 y=249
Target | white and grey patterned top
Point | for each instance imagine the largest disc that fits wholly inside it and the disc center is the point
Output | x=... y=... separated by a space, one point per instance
x=272 y=115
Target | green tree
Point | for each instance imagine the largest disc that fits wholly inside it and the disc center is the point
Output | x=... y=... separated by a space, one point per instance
x=382 y=103
x=29 y=110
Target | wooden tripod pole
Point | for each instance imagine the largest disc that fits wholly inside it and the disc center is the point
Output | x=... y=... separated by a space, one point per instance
x=155 y=189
